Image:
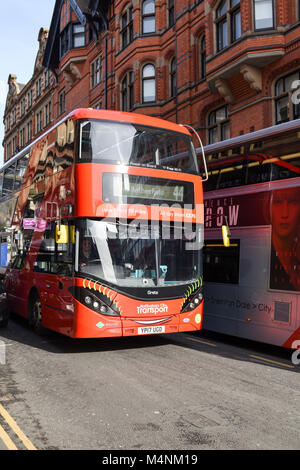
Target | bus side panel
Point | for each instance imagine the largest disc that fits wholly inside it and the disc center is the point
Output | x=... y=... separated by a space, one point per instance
x=17 y=285
x=250 y=309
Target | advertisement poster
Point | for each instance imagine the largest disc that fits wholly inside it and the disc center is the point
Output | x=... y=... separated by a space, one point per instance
x=279 y=208
x=285 y=250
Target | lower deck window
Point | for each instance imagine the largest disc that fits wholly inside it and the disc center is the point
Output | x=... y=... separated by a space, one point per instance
x=220 y=263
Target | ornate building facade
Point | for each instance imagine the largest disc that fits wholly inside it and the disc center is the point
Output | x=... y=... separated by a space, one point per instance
x=28 y=109
x=226 y=67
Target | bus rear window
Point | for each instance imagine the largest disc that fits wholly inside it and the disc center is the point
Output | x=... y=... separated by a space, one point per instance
x=132 y=144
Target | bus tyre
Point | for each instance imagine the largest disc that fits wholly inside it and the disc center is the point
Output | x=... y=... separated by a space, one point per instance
x=35 y=319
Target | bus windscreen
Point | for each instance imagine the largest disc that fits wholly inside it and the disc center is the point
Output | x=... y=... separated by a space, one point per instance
x=133 y=144
x=138 y=255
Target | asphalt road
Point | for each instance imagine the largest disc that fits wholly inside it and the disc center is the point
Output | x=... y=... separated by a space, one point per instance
x=186 y=391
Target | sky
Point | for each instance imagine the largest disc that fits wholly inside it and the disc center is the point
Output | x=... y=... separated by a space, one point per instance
x=20 y=23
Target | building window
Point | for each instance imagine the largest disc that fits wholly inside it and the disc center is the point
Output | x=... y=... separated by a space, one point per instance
x=14 y=116
x=29 y=98
x=22 y=107
x=7 y=123
x=78 y=35
x=62 y=102
x=149 y=83
x=263 y=14
x=127 y=96
x=48 y=113
x=127 y=27
x=29 y=131
x=148 y=16
x=38 y=87
x=14 y=145
x=173 y=77
x=98 y=105
x=202 y=57
x=286 y=90
x=236 y=25
x=218 y=125
x=171 y=11
x=228 y=23
x=96 y=72
x=47 y=76
x=39 y=121
x=22 y=137
x=8 y=151
x=64 y=41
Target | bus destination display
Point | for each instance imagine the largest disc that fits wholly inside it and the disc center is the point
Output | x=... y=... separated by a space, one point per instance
x=129 y=188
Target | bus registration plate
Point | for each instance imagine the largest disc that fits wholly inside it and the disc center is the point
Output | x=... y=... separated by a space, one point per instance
x=150 y=330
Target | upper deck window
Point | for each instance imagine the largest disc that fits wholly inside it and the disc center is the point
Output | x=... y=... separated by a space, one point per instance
x=270 y=159
x=132 y=144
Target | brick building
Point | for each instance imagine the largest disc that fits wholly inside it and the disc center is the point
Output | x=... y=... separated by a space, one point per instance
x=226 y=67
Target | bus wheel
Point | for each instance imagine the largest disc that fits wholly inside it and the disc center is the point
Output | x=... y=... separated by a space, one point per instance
x=35 y=318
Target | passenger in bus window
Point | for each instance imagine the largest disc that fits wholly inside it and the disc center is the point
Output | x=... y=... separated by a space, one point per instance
x=285 y=254
x=86 y=251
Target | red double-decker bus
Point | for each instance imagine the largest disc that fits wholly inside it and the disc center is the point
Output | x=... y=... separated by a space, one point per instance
x=101 y=223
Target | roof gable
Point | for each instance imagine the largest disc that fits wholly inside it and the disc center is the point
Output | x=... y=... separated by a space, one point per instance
x=87 y=11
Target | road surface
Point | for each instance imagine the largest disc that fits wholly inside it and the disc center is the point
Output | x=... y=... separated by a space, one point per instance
x=186 y=391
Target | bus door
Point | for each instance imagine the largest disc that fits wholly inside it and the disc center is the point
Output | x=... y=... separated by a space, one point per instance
x=53 y=270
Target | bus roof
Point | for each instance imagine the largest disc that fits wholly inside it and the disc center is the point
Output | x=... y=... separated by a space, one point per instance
x=268 y=132
x=121 y=116
x=108 y=115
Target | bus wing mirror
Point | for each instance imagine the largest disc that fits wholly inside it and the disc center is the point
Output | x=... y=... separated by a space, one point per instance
x=191 y=129
x=62 y=234
x=226 y=235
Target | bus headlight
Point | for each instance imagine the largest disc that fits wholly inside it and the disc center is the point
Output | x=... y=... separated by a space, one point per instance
x=95 y=301
x=193 y=301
